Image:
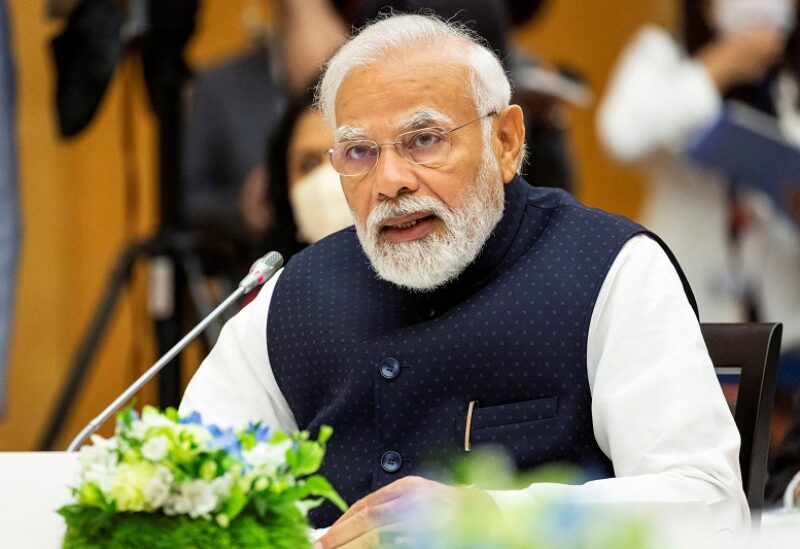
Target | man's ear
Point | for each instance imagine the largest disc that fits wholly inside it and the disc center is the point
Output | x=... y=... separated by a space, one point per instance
x=509 y=140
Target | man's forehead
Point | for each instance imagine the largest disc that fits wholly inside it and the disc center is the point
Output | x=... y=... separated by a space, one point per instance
x=397 y=88
x=422 y=117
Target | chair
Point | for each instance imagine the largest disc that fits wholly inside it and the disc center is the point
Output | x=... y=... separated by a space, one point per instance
x=751 y=350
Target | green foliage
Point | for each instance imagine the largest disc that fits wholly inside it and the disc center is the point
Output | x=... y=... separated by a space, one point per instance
x=318 y=485
x=325 y=433
x=305 y=456
x=127 y=415
x=89 y=528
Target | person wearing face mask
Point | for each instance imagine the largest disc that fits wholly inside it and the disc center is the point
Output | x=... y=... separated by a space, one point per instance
x=303 y=187
x=741 y=257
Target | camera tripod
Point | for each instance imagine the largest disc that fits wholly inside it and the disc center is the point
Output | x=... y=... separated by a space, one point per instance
x=167 y=27
x=175 y=250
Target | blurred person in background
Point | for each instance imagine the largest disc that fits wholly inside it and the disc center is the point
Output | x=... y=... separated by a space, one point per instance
x=232 y=110
x=741 y=257
x=313 y=30
x=304 y=189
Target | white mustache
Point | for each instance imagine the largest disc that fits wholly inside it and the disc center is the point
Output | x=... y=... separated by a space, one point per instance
x=405 y=206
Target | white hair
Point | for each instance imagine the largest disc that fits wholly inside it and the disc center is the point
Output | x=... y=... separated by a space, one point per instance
x=489 y=84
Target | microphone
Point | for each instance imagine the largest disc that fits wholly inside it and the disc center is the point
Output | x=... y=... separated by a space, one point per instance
x=262 y=270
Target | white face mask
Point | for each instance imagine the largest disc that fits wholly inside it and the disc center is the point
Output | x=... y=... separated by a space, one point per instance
x=737 y=15
x=318 y=204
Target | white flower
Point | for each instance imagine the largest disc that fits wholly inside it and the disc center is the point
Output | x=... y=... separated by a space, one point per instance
x=102 y=476
x=267 y=457
x=198 y=433
x=102 y=452
x=138 y=430
x=195 y=498
x=98 y=462
x=151 y=418
x=222 y=486
x=157 y=489
x=155 y=449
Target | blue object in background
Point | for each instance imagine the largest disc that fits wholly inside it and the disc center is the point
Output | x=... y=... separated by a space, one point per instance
x=746 y=146
x=9 y=202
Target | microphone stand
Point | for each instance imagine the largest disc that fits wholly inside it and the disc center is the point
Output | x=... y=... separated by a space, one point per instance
x=261 y=271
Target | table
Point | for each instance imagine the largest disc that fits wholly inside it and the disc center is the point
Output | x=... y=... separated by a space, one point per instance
x=33 y=485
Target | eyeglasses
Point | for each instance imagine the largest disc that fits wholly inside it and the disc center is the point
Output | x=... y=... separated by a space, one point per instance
x=426 y=146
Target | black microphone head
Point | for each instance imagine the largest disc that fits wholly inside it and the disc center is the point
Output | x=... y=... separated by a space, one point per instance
x=262 y=270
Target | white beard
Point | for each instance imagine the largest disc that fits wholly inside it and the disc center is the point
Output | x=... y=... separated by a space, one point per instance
x=430 y=262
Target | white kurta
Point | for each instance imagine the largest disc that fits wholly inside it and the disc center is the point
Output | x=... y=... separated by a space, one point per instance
x=658 y=99
x=657 y=409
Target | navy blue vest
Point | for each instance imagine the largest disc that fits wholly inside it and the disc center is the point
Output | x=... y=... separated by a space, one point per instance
x=394 y=371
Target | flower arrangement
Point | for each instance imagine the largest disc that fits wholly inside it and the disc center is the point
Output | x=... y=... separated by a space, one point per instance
x=166 y=481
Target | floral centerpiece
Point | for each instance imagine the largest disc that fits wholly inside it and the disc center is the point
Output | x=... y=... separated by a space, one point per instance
x=166 y=481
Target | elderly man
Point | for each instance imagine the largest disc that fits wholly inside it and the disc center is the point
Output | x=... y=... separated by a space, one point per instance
x=467 y=307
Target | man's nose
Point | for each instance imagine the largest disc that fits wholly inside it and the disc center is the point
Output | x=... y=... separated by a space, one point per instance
x=394 y=175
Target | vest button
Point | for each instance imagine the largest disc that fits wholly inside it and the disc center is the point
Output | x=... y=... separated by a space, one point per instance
x=391 y=461
x=390 y=368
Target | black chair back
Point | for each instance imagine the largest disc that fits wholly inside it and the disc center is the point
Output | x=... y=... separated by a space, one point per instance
x=751 y=350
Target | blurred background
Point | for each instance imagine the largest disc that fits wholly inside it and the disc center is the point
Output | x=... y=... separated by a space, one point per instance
x=82 y=199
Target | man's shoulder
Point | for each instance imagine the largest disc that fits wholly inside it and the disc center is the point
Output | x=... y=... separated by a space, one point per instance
x=596 y=229
x=562 y=205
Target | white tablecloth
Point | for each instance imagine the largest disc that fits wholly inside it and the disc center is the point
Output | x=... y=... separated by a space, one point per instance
x=33 y=485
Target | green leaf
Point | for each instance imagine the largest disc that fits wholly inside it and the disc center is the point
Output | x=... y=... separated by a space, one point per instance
x=319 y=486
x=279 y=436
x=172 y=413
x=247 y=440
x=208 y=470
x=236 y=502
x=325 y=433
x=91 y=495
x=125 y=417
x=306 y=458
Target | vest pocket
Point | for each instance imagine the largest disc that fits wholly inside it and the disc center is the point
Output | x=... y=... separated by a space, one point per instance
x=513 y=413
x=505 y=422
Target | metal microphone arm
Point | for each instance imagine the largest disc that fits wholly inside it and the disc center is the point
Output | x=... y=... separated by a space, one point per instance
x=261 y=271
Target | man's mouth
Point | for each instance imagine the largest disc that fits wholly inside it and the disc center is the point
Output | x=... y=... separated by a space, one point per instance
x=404 y=225
x=408 y=227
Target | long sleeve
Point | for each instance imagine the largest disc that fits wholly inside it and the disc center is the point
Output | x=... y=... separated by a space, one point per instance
x=235 y=383
x=657 y=408
x=657 y=99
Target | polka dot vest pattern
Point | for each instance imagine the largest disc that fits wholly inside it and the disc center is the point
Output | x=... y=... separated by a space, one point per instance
x=394 y=371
